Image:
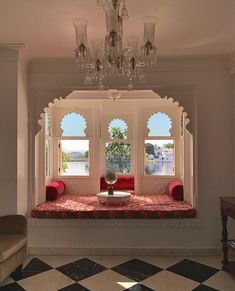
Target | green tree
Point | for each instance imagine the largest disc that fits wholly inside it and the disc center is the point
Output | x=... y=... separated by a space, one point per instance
x=149 y=148
x=117 y=133
x=65 y=160
x=86 y=155
x=118 y=154
x=169 y=145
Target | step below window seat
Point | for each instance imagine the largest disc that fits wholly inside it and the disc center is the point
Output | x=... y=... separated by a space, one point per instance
x=140 y=206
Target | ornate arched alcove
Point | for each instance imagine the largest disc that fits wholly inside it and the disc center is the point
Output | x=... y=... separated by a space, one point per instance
x=183 y=129
x=183 y=97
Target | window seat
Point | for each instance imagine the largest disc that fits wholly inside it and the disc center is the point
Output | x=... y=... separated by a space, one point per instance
x=140 y=206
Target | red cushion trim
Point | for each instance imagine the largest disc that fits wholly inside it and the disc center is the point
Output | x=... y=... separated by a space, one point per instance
x=54 y=190
x=176 y=190
x=124 y=182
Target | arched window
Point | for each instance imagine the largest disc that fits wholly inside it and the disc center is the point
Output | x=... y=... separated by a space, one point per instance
x=117 y=129
x=159 y=124
x=118 y=152
x=73 y=124
x=159 y=146
x=73 y=146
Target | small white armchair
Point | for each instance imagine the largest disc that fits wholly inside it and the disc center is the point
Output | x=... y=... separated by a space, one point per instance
x=13 y=244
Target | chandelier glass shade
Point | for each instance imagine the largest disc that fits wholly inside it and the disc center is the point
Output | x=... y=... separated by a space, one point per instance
x=108 y=58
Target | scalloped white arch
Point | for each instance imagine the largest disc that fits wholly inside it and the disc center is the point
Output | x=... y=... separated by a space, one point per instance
x=79 y=115
x=163 y=113
x=118 y=119
x=102 y=94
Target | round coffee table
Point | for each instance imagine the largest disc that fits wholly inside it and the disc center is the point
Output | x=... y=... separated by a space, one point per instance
x=118 y=197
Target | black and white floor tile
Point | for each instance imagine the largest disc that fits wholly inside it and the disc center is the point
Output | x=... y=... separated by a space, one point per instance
x=74 y=273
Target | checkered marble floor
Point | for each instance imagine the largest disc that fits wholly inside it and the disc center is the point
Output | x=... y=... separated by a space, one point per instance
x=105 y=273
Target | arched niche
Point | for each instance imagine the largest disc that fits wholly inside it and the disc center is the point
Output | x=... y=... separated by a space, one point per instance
x=45 y=99
x=40 y=114
x=109 y=118
x=121 y=128
x=159 y=124
x=73 y=118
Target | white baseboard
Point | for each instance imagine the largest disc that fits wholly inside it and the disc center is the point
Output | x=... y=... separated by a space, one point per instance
x=176 y=223
x=53 y=251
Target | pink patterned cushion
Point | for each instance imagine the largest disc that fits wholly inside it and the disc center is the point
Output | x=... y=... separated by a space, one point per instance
x=140 y=206
x=176 y=190
x=54 y=190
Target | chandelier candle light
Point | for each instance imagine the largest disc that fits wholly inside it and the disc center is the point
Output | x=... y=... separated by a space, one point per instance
x=107 y=58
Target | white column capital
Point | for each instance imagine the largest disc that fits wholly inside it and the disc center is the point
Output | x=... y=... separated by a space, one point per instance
x=231 y=63
x=10 y=52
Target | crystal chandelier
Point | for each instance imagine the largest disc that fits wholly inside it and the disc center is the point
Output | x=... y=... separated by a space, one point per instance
x=107 y=58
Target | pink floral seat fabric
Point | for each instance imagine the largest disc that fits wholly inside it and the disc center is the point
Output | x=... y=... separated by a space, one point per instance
x=140 y=206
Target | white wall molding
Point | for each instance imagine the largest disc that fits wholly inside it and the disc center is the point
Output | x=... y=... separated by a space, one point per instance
x=190 y=64
x=9 y=52
x=23 y=64
x=190 y=223
x=37 y=251
x=104 y=236
x=45 y=96
x=230 y=49
x=169 y=64
x=231 y=63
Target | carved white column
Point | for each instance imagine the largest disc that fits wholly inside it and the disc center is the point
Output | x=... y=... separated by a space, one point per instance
x=231 y=64
x=40 y=188
x=13 y=129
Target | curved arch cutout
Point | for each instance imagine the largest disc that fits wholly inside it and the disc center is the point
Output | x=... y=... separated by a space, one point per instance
x=73 y=124
x=117 y=129
x=159 y=124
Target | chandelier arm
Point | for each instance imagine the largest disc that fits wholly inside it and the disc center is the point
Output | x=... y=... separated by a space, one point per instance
x=109 y=59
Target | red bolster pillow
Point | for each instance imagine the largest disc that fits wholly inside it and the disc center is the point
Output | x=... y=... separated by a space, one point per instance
x=54 y=190
x=176 y=190
x=123 y=183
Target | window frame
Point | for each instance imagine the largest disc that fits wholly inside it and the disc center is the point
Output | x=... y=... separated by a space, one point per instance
x=129 y=141
x=175 y=139
x=50 y=159
x=105 y=121
x=59 y=156
x=49 y=139
x=60 y=113
x=174 y=131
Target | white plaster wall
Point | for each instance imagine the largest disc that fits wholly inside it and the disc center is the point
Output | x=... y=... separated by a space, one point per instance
x=8 y=131
x=14 y=132
x=114 y=234
x=22 y=141
x=203 y=87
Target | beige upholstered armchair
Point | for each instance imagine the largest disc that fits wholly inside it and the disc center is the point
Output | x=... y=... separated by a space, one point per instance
x=13 y=243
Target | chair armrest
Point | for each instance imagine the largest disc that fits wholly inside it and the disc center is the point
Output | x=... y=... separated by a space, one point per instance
x=13 y=224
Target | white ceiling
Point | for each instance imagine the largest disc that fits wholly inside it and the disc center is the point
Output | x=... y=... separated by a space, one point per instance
x=185 y=27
